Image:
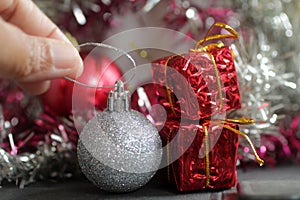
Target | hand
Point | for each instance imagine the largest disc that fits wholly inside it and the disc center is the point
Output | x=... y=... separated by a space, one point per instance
x=32 y=48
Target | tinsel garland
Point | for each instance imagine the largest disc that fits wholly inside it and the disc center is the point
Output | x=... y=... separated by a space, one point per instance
x=34 y=145
x=268 y=65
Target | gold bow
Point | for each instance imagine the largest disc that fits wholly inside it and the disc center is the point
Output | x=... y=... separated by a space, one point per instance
x=241 y=121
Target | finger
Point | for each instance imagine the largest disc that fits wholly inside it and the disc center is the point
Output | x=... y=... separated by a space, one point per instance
x=28 y=17
x=29 y=59
x=36 y=88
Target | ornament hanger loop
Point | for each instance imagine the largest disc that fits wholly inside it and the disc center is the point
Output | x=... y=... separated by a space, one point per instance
x=104 y=46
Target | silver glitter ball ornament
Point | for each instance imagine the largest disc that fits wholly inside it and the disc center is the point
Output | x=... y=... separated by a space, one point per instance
x=119 y=150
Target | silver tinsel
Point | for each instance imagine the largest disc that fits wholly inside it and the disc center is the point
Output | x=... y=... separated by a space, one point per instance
x=34 y=144
x=272 y=52
x=119 y=150
x=267 y=66
x=53 y=158
x=46 y=162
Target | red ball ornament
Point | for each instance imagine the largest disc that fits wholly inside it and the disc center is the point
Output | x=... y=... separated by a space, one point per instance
x=98 y=71
x=58 y=99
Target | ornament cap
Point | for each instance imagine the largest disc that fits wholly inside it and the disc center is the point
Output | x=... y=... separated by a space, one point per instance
x=118 y=99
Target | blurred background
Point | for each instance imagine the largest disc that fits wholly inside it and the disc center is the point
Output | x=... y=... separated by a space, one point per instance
x=40 y=130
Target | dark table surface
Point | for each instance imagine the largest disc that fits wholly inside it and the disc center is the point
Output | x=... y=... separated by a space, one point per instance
x=261 y=180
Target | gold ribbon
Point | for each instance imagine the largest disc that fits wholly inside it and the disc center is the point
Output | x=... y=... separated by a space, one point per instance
x=167 y=87
x=200 y=48
x=233 y=34
x=241 y=121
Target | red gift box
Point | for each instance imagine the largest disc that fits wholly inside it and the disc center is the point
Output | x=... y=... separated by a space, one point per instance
x=209 y=77
x=194 y=169
x=198 y=86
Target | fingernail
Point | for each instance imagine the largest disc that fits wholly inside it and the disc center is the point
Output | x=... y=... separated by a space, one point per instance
x=67 y=37
x=62 y=36
x=71 y=39
x=66 y=56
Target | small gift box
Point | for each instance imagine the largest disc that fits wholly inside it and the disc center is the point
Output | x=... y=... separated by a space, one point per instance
x=209 y=76
x=208 y=155
x=199 y=88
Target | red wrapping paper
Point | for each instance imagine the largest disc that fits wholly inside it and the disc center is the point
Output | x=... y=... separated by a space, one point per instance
x=198 y=69
x=194 y=75
x=189 y=171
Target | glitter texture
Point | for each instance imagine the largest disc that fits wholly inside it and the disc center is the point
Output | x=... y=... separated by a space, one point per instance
x=119 y=151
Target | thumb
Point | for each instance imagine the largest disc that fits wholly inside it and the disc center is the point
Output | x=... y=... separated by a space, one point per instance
x=33 y=61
